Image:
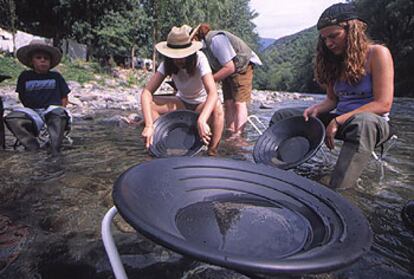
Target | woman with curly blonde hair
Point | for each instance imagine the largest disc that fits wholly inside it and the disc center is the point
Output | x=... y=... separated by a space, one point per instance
x=358 y=76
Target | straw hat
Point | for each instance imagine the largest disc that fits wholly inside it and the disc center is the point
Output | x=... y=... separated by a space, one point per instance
x=179 y=43
x=24 y=53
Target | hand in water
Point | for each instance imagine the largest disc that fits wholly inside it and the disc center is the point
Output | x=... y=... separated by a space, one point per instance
x=148 y=135
x=204 y=131
x=331 y=131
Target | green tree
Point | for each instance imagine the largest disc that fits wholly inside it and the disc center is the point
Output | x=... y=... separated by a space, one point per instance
x=121 y=32
x=392 y=22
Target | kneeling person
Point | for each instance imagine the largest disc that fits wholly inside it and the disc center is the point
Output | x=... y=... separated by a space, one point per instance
x=196 y=90
x=44 y=95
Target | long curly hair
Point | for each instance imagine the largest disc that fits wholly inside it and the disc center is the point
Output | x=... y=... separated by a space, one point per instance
x=350 y=66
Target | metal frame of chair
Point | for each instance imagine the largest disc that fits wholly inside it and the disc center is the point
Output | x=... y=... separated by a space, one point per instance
x=384 y=148
x=109 y=244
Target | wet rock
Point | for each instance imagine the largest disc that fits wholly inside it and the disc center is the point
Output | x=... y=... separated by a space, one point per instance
x=74 y=85
x=116 y=120
x=265 y=106
x=88 y=98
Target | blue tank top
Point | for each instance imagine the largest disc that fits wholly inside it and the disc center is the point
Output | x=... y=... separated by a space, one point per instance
x=350 y=96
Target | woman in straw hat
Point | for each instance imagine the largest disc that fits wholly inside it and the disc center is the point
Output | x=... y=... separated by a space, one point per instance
x=44 y=95
x=196 y=90
x=358 y=76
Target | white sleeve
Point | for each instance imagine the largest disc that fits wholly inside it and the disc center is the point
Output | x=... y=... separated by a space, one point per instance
x=222 y=49
x=161 y=68
x=202 y=64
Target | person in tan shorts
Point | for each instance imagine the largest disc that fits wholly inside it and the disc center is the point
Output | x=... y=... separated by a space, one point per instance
x=232 y=62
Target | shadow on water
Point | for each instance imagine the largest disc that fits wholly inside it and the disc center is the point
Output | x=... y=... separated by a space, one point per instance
x=61 y=201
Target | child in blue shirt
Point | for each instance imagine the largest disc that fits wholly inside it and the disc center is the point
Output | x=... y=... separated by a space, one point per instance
x=44 y=95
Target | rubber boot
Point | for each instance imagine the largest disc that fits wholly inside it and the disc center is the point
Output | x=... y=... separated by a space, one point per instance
x=56 y=122
x=349 y=166
x=23 y=129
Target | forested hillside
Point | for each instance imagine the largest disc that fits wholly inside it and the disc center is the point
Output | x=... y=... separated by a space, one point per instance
x=288 y=65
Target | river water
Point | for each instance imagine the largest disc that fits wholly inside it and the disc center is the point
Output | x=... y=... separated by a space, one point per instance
x=58 y=203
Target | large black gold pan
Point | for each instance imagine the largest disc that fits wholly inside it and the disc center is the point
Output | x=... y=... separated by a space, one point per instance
x=244 y=216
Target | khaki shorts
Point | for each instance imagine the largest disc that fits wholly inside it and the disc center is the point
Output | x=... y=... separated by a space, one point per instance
x=239 y=87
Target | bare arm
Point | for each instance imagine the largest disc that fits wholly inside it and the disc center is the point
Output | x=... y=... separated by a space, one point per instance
x=146 y=100
x=382 y=70
x=227 y=69
x=212 y=97
x=65 y=101
x=325 y=106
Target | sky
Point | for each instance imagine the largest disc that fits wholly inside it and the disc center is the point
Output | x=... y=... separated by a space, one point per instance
x=278 y=18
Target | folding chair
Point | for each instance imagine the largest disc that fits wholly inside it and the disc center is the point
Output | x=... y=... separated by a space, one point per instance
x=384 y=148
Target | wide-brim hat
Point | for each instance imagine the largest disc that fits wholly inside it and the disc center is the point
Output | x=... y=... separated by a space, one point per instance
x=180 y=43
x=24 y=54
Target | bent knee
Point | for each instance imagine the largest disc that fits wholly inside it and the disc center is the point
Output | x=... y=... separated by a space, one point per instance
x=60 y=112
x=16 y=114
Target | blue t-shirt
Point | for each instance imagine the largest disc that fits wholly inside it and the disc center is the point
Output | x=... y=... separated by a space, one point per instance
x=41 y=90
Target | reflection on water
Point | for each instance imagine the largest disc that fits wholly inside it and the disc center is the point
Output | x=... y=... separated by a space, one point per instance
x=62 y=200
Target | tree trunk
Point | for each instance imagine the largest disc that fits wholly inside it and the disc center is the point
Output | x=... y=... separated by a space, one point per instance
x=133 y=59
x=154 y=36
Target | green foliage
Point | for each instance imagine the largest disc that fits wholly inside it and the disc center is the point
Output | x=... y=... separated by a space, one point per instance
x=10 y=66
x=119 y=32
x=392 y=23
x=78 y=70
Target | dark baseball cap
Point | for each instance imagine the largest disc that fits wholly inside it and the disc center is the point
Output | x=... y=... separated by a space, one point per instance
x=337 y=13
